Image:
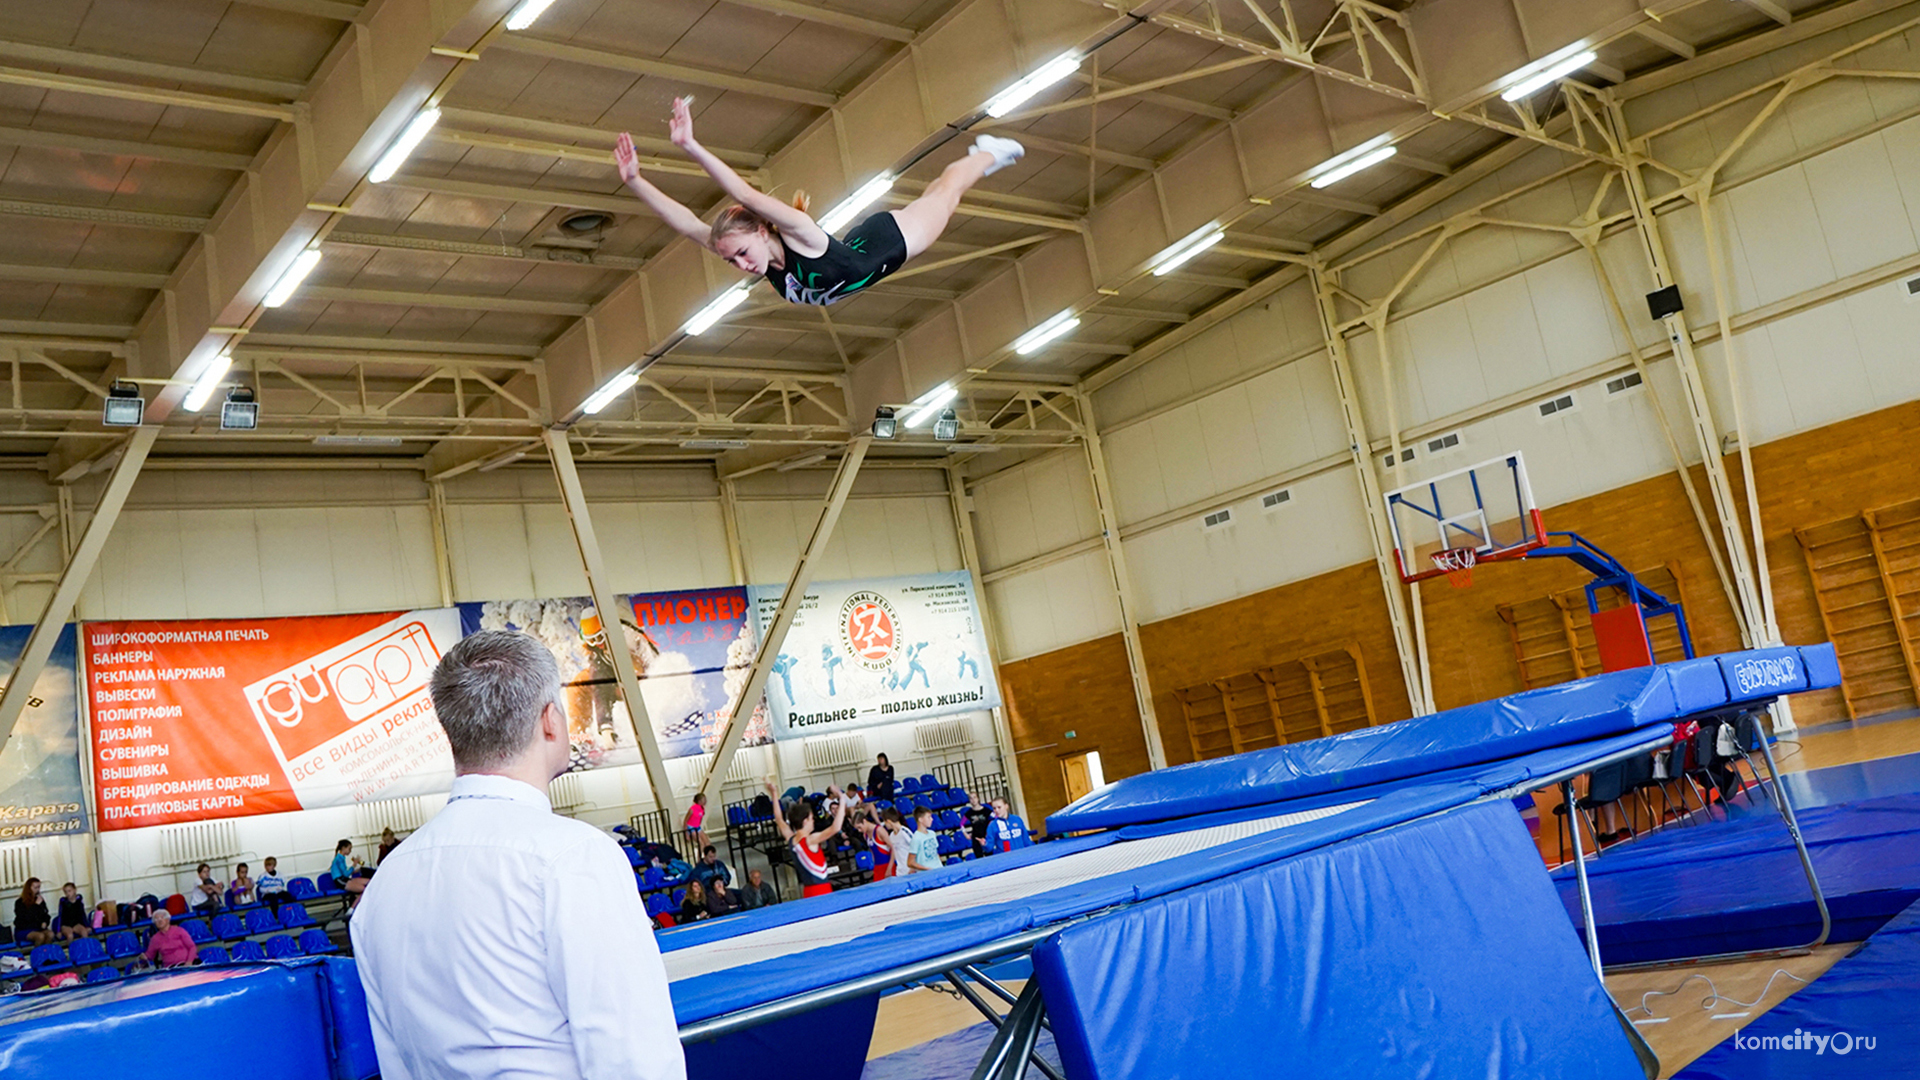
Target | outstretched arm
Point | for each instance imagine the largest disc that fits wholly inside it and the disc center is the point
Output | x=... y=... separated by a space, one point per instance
x=794 y=224
x=678 y=217
x=779 y=815
x=839 y=810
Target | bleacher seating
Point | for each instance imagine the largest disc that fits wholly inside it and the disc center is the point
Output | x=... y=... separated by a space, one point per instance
x=315 y=942
x=214 y=954
x=228 y=926
x=123 y=945
x=909 y=786
x=248 y=951
x=103 y=973
x=633 y=857
x=283 y=947
x=656 y=905
x=46 y=958
x=197 y=930
x=303 y=889
x=260 y=922
x=86 y=951
x=327 y=886
x=294 y=916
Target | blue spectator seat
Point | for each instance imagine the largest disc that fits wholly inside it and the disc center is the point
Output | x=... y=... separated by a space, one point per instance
x=303 y=889
x=929 y=781
x=261 y=921
x=122 y=945
x=50 y=957
x=294 y=916
x=656 y=904
x=679 y=896
x=86 y=951
x=905 y=806
x=228 y=926
x=863 y=861
x=956 y=797
x=633 y=857
x=103 y=973
x=315 y=942
x=214 y=954
x=909 y=786
x=249 y=950
x=196 y=929
x=282 y=947
x=923 y=800
x=327 y=887
x=653 y=878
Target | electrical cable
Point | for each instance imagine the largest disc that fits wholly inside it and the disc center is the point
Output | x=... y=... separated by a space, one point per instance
x=1714 y=996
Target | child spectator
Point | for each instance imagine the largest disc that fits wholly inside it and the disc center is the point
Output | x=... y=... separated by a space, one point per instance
x=73 y=921
x=1007 y=832
x=697 y=821
x=106 y=913
x=270 y=887
x=693 y=905
x=720 y=900
x=979 y=820
x=346 y=870
x=388 y=842
x=241 y=890
x=758 y=893
x=31 y=923
x=923 y=850
x=170 y=946
x=205 y=895
x=808 y=842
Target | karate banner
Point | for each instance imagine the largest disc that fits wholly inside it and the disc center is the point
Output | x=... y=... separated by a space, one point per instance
x=232 y=717
x=861 y=653
x=690 y=649
x=40 y=788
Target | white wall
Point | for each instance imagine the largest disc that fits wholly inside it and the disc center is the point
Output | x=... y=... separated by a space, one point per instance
x=1818 y=218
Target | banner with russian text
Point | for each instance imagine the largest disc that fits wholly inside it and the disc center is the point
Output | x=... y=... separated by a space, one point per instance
x=691 y=650
x=863 y=652
x=40 y=787
x=232 y=717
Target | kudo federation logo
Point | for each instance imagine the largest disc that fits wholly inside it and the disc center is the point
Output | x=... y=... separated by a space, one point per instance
x=867 y=630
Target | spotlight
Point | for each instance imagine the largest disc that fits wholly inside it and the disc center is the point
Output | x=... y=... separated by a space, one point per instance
x=124 y=406
x=947 y=428
x=884 y=425
x=240 y=412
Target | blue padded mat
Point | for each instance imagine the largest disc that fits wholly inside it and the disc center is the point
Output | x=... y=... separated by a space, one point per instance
x=1586 y=709
x=1736 y=884
x=1428 y=950
x=1868 y=996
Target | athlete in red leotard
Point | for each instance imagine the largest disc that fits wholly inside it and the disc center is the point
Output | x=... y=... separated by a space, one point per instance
x=808 y=843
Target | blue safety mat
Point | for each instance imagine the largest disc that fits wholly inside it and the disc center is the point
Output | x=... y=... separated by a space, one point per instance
x=308 y=1017
x=1857 y=1020
x=1734 y=884
x=1432 y=949
x=1579 y=711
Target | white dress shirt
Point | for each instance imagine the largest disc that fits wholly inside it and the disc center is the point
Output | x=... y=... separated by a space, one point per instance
x=502 y=940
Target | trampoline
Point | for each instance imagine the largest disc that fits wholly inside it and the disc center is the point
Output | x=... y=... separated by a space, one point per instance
x=1382 y=877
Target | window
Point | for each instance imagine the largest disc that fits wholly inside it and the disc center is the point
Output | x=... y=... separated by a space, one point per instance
x=1273 y=500
x=1555 y=406
x=1624 y=383
x=1219 y=519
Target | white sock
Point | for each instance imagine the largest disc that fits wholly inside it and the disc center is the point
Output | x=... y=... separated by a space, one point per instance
x=1005 y=151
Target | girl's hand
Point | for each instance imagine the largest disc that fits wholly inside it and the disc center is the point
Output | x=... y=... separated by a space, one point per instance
x=626 y=159
x=680 y=129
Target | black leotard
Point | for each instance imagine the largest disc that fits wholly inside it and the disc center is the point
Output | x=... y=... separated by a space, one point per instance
x=872 y=250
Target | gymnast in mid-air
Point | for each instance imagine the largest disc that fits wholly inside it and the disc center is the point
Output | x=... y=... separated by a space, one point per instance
x=763 y=235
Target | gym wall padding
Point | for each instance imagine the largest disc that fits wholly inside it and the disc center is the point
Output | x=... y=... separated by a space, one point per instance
x=1435 y=949
x=308 y=1018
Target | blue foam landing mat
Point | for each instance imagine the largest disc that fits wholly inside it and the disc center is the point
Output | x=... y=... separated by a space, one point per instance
x=1856 y=1020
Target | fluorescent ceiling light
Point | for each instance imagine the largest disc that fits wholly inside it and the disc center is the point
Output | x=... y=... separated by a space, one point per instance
x=716 y=309
x=1187 y=247
x=1364 y=161
x=208 y=381
x=1016 y=95
x=282 y=290
x=1541 y=72
x=1036 y=339
x=614 y=387
x=524 y=15
x=502 y=459
x=713 y=444
x=842 y=215
x=800 y=462
x=975 y=448
x=396 y=154
x=930 y=404
x=356 y=440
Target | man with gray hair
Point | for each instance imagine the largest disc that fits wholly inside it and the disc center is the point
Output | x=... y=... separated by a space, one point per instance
x=502 y=940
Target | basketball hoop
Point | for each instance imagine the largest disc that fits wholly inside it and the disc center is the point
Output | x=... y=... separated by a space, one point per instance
x=1458 y=563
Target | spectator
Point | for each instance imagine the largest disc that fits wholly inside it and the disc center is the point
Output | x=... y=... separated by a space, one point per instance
x=170 y=946
x=205 y=895
x=346 y=870
x=242 y=889
x=890 y=839
x=720 y=899
x=710 y=869
x=693 y=904
x=758 y=893
x=31 y=923
x=388 y=842
x=808 y=842
x=979 y=820
x=697 y=821
x=270 y=887
x=1007 y=832
x=73 y=921
x=880 y=780
x=923 y=848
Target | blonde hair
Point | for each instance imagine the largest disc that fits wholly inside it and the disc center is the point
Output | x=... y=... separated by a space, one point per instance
x=739 y=219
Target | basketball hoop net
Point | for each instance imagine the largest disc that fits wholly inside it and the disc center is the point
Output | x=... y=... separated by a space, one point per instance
x=1458 y=563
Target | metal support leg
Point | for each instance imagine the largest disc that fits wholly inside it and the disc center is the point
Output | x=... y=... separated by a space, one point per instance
x=1012 y=1046
x=973 y=997
x=1785 y=806
x=1580 y=870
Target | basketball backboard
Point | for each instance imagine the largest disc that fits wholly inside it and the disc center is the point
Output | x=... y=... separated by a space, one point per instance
x=1487 y=507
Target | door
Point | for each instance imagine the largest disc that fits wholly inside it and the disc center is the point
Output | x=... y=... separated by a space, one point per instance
x=1083 y=774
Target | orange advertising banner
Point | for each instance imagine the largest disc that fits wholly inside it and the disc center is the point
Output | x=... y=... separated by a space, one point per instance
x=230 y=717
